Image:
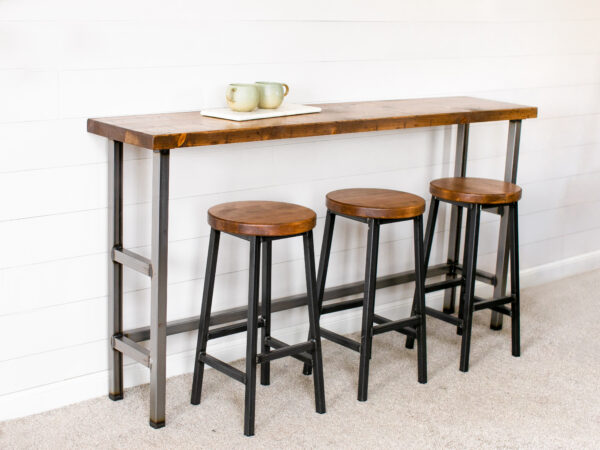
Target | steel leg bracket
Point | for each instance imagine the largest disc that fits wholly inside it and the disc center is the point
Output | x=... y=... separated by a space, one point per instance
x=132 y=260
x=132 y=349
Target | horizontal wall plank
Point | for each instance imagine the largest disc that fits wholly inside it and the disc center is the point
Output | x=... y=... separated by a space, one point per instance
x=65 y=363
x=28 y=95
x=336 y=10
x=60 y=45
x=553 y=101
x=43 y=144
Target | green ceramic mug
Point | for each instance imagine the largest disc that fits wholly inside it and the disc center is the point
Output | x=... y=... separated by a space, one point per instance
x=242 y=97
x=271 y=94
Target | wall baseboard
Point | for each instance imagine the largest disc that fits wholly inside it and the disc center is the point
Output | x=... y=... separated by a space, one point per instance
x=557 y=270
x=55 y=395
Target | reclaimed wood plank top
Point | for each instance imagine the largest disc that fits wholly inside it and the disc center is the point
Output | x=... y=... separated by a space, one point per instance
x=191 y=129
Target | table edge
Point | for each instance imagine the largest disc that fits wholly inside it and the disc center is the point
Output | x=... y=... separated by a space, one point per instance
x=289 y=131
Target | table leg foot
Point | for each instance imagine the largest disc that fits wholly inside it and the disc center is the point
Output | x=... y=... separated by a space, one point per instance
x=115 y=397
x=157 y=425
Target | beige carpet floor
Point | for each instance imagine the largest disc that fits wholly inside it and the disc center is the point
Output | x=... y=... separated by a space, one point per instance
x=547 y=398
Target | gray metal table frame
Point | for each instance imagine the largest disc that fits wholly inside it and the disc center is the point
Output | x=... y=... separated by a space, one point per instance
x=127 y=341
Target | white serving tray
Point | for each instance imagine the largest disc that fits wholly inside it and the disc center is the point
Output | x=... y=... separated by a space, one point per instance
x=286 y=109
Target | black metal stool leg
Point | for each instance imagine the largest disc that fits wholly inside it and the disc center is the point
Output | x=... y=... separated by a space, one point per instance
x=461 y=295
x=265 y=367
x=313 y=319
x=451 y=307
x=209 y=284
x=323 y=266
x=472 y=238
x=514 y=280
x=429 y=231
x=368 y=308
x=252 y=336
x=420 y=299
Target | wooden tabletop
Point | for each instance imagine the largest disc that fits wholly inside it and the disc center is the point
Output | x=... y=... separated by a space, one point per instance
x=191 y=129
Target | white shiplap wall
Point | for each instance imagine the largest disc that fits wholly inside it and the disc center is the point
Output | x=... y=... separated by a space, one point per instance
x=64 y=61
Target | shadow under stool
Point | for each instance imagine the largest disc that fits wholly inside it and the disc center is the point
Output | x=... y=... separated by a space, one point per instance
x=260 y=223
x=375 y=207
x=473 y=194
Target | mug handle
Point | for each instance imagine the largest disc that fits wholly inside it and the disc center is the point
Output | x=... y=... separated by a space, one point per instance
x=228 y=94
x=287 y=89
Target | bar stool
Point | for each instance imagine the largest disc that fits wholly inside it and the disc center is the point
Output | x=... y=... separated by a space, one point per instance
x=260 y=223
x=475 y=194
x=375 y=207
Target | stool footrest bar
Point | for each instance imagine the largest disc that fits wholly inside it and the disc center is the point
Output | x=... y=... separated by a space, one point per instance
x=132 y=260
x=481 y=303
x=396 y=325
x=227 y=330
x=339 y=339
x=502 y=310
x=232 y=328
x=342 y=306
x=276 y=343
x=432 y=287
x=481 y=275
x=223 y=367
x=443 y=316
x=132 y=349
x=382 y=282
x=288 y=350
x=408 y=331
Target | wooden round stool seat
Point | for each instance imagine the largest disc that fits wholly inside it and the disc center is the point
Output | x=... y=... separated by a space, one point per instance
x=261 y=218
x=482 y=191
x=375 y=203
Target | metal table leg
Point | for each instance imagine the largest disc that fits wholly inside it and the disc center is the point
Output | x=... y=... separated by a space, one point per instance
x=158 y=315
x=510 y=175
x=115 y=270
x=460 y=167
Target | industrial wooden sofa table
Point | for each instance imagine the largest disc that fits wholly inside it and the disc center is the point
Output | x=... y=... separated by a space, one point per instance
x=162 y=133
